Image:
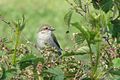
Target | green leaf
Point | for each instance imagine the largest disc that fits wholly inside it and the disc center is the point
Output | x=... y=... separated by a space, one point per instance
x=117 y=2
x=19 y=24
x=22 y=24
x=78 y=38
x=105 y=5
x=89 y=35
x=28 y=60
x=94 y=20
x=116 y=62
x=94 y=36
x=115 y=12
x=78 y=2
x=81 y=51
x=8 y=74
x=72 y=53
x=57 y=73
x=115 y=72
x=82 y=30
x=67 y=18
x=115 y=30
x=60 y=77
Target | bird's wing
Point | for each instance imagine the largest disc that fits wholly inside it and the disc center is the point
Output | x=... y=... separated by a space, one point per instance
x=55 y=40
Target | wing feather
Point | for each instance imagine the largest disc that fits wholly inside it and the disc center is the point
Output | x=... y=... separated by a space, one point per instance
x=55 y=40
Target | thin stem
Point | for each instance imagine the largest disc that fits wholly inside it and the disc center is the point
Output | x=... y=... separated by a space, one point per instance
x=90 y=54
x=91 y=59
x=16 y=45
x=97 y=58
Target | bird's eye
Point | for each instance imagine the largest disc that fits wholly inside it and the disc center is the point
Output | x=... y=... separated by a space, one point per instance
x=46 y=28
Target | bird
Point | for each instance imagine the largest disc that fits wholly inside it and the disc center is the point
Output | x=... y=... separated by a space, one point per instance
x=45 y=36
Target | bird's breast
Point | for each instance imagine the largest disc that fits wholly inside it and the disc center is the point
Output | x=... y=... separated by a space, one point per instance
x=43 y=39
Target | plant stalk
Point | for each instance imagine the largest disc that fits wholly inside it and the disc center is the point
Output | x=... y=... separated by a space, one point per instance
x=92 y=67
x=16 y=45
x=97 y=58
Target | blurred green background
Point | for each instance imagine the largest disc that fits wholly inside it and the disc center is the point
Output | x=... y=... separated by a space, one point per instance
x=37 y=12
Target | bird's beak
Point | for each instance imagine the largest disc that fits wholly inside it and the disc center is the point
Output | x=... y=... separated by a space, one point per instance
x=52 y=29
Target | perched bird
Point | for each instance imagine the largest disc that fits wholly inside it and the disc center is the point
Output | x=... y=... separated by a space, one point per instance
x=46 y=36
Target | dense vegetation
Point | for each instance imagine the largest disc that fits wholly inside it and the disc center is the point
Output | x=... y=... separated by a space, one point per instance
x=93 y=54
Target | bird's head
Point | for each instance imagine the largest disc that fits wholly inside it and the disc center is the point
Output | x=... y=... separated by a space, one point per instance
x=46 y=28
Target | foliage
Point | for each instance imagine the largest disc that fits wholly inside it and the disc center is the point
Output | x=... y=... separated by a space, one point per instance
x=100 y=32
x=105 y=5
x=93 y=56
x=57 y=72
